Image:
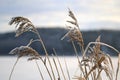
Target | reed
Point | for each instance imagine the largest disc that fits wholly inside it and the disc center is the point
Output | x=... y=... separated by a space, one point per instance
x=94 y=60
x=93 y=63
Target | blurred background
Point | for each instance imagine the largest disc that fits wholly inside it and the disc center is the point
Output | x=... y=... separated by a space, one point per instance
x=95 y=17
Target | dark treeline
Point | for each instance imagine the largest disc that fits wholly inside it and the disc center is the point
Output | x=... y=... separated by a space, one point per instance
x=51 y=38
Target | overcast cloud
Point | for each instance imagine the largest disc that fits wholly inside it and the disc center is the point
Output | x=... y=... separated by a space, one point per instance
x=106 y=13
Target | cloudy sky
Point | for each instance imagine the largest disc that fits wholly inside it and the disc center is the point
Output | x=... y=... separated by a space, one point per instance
x=91 y=14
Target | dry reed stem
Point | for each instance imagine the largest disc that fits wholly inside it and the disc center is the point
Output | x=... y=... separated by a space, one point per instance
x=67 y=69
x=66 y=35
x=44 y=62
x=51 y=68
x=108 y=74
x=75 y=50
x=13 y=68
x=39 y=70
x=110 y=60
x=43 y=45
x=56 y=68
x=95 y=66
x=59 y=64
x=46 y=68
x=32 y=41
x=101 y=43
x=98 y=76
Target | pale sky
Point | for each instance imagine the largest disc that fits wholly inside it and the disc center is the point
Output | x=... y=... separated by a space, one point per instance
x=91 y=14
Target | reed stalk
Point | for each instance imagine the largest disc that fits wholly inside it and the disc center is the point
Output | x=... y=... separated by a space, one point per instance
x=100 y=44
x=13 y=68
x=47 y=68
x=56 y=68
x=59 y=64
x=67 y=69
x=118 y=68
x=46 y=54
x=76 y=53
x=39 y=70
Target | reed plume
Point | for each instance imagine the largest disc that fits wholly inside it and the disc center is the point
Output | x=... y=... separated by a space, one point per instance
x=74 y=31
x=23 y=51
x=22 y=25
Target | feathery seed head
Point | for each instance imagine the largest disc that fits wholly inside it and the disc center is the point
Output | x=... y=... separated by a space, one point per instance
x=22 y=25
x=76 y=35
x=72 y=15
x=25 y=51
x=18 y=19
